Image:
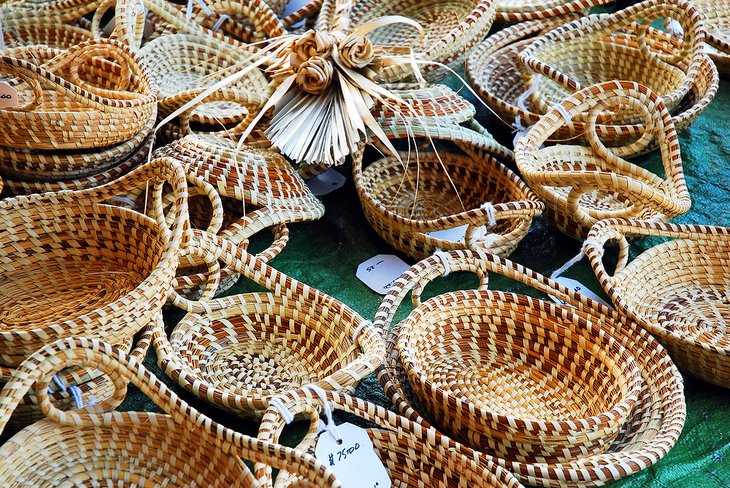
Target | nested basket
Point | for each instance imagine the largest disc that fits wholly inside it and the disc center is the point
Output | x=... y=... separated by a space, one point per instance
x=73 y=266
x=57 y=10
x=429 y=190
x=412 y=455
x=582 y=53
x=654 y=423
x=716 y=15
x=92 y=95
x=678 y=290
x=583 y=184
x=521 y=10
x=240 y=351
x=495 y=72
x=100 y=447
x=24 y=27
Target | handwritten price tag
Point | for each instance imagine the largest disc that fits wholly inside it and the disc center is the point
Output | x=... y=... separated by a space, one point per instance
x=353 y=460
x=578 y=287
x=8 y=96
x=327 y=182
x=379 y=272
x=457 y=234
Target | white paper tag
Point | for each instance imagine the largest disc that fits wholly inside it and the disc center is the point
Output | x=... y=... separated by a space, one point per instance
x=379 y=272
x=353 y=461
x=456 y=234
x=326 y=182
x=292 y=7
x=8 y=96
x=578 y=287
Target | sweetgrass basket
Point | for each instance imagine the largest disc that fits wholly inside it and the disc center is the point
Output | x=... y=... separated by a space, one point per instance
x=100 y=447
x=717 y=22
x=583 y=184
x=522 y=10
x=653 y=425
x=412 y=455
x=677 y=290
x=240 y=351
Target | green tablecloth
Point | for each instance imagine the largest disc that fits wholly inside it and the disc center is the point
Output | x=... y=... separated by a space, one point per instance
x=325 y=255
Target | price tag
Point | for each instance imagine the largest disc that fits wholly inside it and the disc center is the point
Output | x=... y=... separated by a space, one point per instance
x=8 y=96
x=578 y=287
x=353 y=460
x=456 y=234
x=379 y=272
x=292 y=7
x=327 y=182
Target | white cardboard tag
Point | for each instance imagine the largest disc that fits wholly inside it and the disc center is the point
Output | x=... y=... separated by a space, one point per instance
x=578 y=287
x=292 y=7
x=379 y=272
x=455 y=234
x=326 y=182
x=8 y=96
x=353 y=461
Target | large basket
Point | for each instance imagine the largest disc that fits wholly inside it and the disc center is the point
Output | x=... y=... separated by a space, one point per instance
x=521 y=10
x=409 y=201
x=583 y=184
x=240 y=351
x=99 y=447
x=677 y=290
x=73 y=266
x=652 y=427
x=412 y=455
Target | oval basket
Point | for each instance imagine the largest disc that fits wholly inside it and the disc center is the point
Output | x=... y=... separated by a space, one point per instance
x=677 y=290
x=651 y=429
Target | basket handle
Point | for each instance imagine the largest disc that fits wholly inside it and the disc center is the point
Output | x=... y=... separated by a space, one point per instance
x=264 y=20
x=42 y=365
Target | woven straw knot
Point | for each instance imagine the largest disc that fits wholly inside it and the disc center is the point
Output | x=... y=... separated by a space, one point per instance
x=312 y=44
x=356 y=51
x=315 y=75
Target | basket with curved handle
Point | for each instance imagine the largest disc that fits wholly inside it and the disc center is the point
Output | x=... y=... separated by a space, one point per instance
x=130 y=438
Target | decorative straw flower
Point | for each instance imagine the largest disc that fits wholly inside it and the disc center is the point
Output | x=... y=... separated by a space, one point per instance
x=356 y=51
x=310 y=44
x=315 y=75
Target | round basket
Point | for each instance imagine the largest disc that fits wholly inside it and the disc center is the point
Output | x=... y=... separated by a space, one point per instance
x=445 y=199
x=583 y=184
x=653 y=425
x=99 y=447
x=717 y=22
x=677 y=290
x=240 y=351
x=75 y=267
x=521 y=10
x=494 y=70
x=22 y=28
x=93 y=95
x=577 y=55
x=412 y=455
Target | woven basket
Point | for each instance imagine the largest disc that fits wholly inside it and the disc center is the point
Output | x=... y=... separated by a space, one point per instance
x=65 y=106
x=578 y=54
x=239 y=351
x=716 y=15
x=23 y=28
x=652 y=427
x=445 y=189
x=412 y=455
x=583 y=184
x=100 y=447
x=74 y=267
x=496 y=74
x=677 y=290
x=55 y=10
x=521 y=10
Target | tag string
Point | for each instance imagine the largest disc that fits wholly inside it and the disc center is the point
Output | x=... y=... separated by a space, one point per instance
x=330 y=427
x=576 y=258
x=444 y=258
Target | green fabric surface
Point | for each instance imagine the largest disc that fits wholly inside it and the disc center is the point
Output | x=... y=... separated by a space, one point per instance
x=325 y=255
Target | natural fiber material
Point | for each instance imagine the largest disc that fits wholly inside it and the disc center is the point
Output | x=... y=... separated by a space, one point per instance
x=716 y=15
x=430 y=190
x=58 y=10
x=677 y=290
x=73 y=267
x=583 y=184
x=238 y=352
x=97 y=446
x=521 y=10
x=412 y=455
x=577 y=55
x=653 y=425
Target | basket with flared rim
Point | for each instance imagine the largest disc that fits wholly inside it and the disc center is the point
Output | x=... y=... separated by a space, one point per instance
x=98 y=446
x=717 y=22
x=412 y=455
x=651 y=429
x=466 y=187
x=237 y=352
x=583 y=184
x=677 y=290
x=74 y=266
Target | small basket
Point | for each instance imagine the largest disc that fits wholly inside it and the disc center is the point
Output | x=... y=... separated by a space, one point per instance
x=100 y=447
x=240 y=351
x=677 y=290
x=73 y=266
x=522 y=10
x=412 y=455
x=583 y=184
x=653 y=425
x=445 y=189
x=580 y=54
